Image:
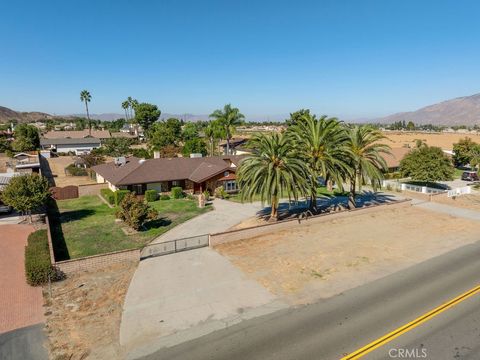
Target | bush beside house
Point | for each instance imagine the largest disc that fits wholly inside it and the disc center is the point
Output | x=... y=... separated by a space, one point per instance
x=108 y=195
x=38 y=267
x=120 y=195
x=177 y=192
x=151 y=195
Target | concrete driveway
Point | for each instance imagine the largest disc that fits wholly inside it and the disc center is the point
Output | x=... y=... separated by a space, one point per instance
x=201 y=288
x=224 y=215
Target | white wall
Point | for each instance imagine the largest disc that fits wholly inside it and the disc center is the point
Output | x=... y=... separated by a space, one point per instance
x=100 y=179
x=74 y=147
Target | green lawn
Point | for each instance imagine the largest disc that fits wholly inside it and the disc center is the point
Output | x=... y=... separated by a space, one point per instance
x=86 y=226
x=458 y=173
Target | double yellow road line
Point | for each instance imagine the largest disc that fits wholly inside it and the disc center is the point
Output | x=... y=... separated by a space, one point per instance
x=411 y=325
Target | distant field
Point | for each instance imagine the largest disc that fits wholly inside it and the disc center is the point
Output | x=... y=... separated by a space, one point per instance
x=443 y=140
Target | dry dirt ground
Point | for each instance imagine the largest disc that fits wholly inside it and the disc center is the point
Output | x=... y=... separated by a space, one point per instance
x=320 y=260
x=84 y=313
x=58 y=165
x=443 y=140
x=470 y=201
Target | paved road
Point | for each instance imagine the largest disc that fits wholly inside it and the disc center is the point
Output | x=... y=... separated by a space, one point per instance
x=27 y=343
x=339 y=325
x=450 y=210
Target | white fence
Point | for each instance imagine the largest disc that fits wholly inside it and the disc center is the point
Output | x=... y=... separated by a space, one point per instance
x=397 y=185
x=459 y=191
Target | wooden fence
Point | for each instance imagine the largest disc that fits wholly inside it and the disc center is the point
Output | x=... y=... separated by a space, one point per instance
x=64 y=193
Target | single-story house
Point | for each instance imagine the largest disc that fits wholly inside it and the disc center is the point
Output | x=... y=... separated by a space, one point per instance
x=237 y=146
x=79 y=134
x=393 y=159
x=78 y=146
x=194 y=175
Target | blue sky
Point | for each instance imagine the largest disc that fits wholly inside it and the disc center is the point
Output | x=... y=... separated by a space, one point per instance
x=346 y=58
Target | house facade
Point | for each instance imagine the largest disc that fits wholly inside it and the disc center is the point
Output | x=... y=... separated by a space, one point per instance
x=193 y=175
x=66 y=145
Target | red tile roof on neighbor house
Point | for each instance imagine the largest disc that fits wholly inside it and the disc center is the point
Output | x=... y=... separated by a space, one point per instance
x=139 y=171
x=396 y=155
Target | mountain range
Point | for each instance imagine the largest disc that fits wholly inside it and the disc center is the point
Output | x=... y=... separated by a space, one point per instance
x=459 y=111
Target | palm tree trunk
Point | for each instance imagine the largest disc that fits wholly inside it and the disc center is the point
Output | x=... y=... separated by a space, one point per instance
x=329 y=185
x=351 y=195
x=126 y=115
x=228 y=140
x=313 y=200
x=88 y=117
x=274 y=212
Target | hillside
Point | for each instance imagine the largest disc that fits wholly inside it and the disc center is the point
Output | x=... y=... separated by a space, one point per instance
x=7 y=115
x=459 y=111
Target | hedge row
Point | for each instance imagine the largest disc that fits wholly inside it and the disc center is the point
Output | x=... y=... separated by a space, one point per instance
x=108 y=195
x=38 y=267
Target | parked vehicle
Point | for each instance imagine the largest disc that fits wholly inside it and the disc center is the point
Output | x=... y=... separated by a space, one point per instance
x=5 y=209
x=470 y=176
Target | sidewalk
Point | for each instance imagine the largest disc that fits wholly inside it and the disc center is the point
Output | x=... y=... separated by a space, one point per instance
x=450 y=210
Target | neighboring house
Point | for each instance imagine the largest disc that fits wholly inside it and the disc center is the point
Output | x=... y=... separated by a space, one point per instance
x=5 y=179
x=393 y=159
x=78 y=146
x=79 y=134
x=124 y=135
x=24 y=162
x=194 y=175
x=237 y=146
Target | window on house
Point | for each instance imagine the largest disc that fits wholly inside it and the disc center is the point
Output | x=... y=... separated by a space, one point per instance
x=230 y=185
x=226 y=173
x=176 y=183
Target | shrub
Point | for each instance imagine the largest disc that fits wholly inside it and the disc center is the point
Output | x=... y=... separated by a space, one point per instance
x=108 y=195
x=164 y=197
x=177 y=192
x=206 y=193
x=38 y=267
x=76 y=171
x=151 y=195
x=221 y=193
x=120 y=195
x=134 y=211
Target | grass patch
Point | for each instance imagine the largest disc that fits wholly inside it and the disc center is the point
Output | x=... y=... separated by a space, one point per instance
x=86 y=226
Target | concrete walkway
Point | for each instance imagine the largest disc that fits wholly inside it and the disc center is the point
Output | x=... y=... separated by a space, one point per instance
x=450 y=210
x=224 y=215
x=199 y=288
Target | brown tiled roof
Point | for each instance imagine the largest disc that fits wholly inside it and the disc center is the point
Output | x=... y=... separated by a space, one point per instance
x=397 y=154
x=99 y=134
x=156 y=170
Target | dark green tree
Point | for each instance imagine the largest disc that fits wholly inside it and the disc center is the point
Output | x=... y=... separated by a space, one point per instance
x=26 y=138
x=26 y=193
x=165 y=133
x=427 y=163
x=117 y=147
x=464 y=151
x=298 y=116
x=194 y=146
x=146 y=115
x=189 y=131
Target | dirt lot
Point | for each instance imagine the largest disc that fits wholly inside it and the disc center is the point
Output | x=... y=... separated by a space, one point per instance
x=324 y=259
x=83 y=316
x=58 y=165
x=443 y=140
x=470 y=201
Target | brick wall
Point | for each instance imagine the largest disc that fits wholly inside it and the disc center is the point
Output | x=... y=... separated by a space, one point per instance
x=96 y=262
x=247 y=233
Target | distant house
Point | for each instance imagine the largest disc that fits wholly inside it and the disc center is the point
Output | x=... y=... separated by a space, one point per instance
x=393 y=159
x=194 y=175
x=78 y=146
x=24 y=162
x=78 y=134
x=237 y=146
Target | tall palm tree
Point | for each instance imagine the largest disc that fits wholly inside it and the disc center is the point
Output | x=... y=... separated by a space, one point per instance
x=86 y=97
x=272 y=171
x=213 y=131
x=125 y=106
x=366 y=161
x=229 y=118
x=322 y=144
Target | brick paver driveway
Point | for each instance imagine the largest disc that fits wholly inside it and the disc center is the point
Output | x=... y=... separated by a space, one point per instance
x=20 y=304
